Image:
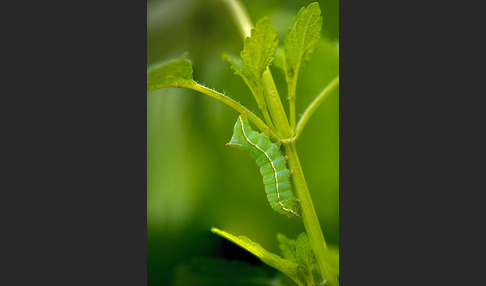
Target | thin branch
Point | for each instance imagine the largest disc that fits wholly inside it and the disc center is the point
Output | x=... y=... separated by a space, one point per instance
x=292 y=87
x=313 y=106
x=241 y=17
x=236 y=106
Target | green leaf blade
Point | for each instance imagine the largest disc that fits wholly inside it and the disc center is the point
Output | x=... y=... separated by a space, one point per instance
x=287 y=247
x=304 y=256
x=285 y=266
x=302 y=37
x=300 y=252
x=174 y=73
x=259 y=51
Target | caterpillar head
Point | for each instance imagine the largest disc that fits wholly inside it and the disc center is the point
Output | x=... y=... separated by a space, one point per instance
x=240 y=130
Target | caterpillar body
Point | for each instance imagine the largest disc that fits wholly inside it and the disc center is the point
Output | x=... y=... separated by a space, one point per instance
x=272 y=163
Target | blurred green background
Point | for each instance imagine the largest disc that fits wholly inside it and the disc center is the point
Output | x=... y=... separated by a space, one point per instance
x=194 y=181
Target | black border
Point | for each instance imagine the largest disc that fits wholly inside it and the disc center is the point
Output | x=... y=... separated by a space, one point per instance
x=410 y=120
x=74 y=199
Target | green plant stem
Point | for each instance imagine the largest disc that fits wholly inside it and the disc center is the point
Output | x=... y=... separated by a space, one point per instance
x=292 y=111
x=262 y=105
x=309 y=279
x=238 y=11
x=266 y=116
x=313 y=106
x=236 y=106
x=275 y=106
x=309 y=216
x=292 y=87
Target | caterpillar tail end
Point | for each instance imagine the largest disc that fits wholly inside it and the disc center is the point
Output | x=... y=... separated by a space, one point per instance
x=236 y=145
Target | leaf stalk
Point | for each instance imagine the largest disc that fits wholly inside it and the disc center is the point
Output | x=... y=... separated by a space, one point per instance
x=236 y=106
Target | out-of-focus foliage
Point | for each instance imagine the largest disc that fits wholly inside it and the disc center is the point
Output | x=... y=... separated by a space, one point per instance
x=203 y=271
x=194 y=181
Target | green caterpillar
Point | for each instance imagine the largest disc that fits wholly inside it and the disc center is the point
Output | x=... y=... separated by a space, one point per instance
x=272 y=163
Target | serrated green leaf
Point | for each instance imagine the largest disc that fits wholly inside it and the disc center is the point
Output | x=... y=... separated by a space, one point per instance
x=287 y=247
x=259 y=50
x=258 y=53
x=302 y=37
x=304 y=255
x=285 y=266
x=300 y=252
x=174 y=73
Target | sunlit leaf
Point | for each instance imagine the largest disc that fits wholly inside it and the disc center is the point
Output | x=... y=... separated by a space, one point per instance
x=285 y=266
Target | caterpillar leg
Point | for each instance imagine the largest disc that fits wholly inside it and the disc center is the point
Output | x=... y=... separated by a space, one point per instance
x=289 y=210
